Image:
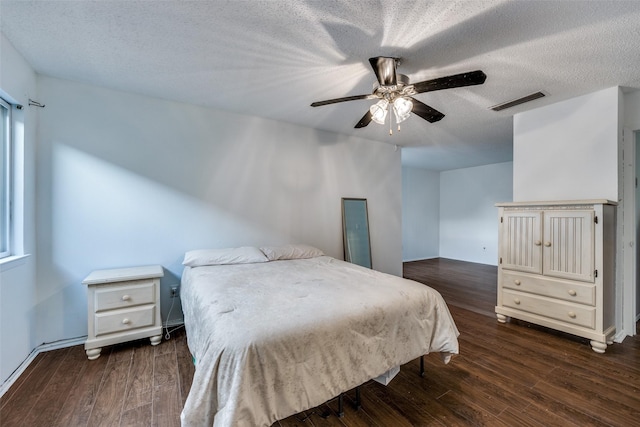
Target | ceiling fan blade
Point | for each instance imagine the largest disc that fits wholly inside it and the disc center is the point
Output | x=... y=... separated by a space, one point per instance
x=423 y=110
x=458 y=80
x=364 y=121
x=385 y=69
x=346 y=98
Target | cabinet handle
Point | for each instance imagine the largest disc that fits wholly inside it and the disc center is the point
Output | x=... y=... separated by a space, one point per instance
x=517 y=282
x=126 y=297
x=572 y=315
x=126 y=321
x=537 y=243
x=516 y=300
x=572 y=292
x=547 y=244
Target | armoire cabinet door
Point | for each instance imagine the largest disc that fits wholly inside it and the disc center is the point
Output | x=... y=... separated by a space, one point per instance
x=521 y=241
x=568 y=250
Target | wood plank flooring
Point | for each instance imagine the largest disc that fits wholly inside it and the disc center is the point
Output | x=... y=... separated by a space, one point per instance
x=512 y=374
x=464 y=284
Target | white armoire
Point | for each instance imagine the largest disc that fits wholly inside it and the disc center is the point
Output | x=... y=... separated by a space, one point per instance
x=556 y=266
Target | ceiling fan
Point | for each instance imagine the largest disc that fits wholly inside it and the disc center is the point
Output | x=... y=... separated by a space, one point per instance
x=393 y=89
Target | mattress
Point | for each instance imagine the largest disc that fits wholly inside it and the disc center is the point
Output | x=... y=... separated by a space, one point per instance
x=276 y=338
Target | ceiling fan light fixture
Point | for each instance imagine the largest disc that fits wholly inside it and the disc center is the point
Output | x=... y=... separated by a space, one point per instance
x=395 y=88
x=379 y=111
x=402 y=109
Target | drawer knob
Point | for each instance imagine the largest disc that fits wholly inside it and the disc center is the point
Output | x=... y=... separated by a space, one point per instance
x=572 y=315
x=572 y=292
x=537 y=243
x=517 y=282
x=547 y=244
x=126 y=321
x=126 y=297
x=516 y=300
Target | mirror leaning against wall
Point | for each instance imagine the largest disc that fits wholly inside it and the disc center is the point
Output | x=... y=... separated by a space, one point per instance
x=355 y=232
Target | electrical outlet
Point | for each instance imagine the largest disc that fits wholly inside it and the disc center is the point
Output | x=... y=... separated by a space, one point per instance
x=175 y=291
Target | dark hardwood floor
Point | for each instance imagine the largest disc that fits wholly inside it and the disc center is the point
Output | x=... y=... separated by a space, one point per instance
x=463 y=284
x=512 y=374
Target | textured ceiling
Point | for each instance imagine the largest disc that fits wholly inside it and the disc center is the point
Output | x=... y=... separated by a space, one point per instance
x=273 y=58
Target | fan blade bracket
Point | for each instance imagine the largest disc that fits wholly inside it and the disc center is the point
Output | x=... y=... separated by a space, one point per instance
x=408 y=91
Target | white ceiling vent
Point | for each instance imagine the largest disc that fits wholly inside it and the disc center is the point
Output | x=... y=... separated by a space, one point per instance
x=518 y=101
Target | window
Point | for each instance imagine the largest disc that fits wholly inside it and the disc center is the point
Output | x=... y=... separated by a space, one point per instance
x=5 y=179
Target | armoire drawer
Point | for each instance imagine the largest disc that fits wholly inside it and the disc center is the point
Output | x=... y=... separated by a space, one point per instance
x=576 y=314
x=555 y=288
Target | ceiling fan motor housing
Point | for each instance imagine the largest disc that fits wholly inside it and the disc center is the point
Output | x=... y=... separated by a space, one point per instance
x=385 y=69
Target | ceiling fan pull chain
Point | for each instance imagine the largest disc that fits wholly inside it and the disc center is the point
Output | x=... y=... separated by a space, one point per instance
x=390 y=124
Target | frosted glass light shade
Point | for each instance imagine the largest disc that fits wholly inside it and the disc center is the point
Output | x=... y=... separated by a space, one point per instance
x=379 y=111
x=402 y=109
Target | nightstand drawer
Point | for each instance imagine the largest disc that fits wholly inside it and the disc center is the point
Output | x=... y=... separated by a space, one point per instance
x=134 y=293
x=555 y=288
x=576 y=314
x=123 y=320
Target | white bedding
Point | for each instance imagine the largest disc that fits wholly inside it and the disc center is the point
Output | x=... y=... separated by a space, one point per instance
x=276 y=338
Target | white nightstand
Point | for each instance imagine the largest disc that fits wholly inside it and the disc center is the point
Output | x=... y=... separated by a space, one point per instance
x=124 y=305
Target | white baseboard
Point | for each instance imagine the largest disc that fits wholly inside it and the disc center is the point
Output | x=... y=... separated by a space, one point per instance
x=420 y=259
x=36 y=351
x=173 y=323
x=619 y=337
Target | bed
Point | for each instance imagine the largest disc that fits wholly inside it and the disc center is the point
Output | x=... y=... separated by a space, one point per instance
x=286 y=329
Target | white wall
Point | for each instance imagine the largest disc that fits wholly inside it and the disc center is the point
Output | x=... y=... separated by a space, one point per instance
x=637 y=225
x=420 y=214
x=128 y=180
x=451 y=214
x=632 y=122
x=18 y=280
x=632 y=110
x=568 y=150
x=468 y=216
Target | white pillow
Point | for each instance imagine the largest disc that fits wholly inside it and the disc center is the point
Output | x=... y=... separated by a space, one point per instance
x=274 y=253
x=243 y=255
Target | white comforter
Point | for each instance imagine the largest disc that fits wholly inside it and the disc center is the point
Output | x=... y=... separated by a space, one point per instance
x=273 y=339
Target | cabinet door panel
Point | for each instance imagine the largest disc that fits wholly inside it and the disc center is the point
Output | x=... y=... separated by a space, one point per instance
x=521 y=247
x=568 y=244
